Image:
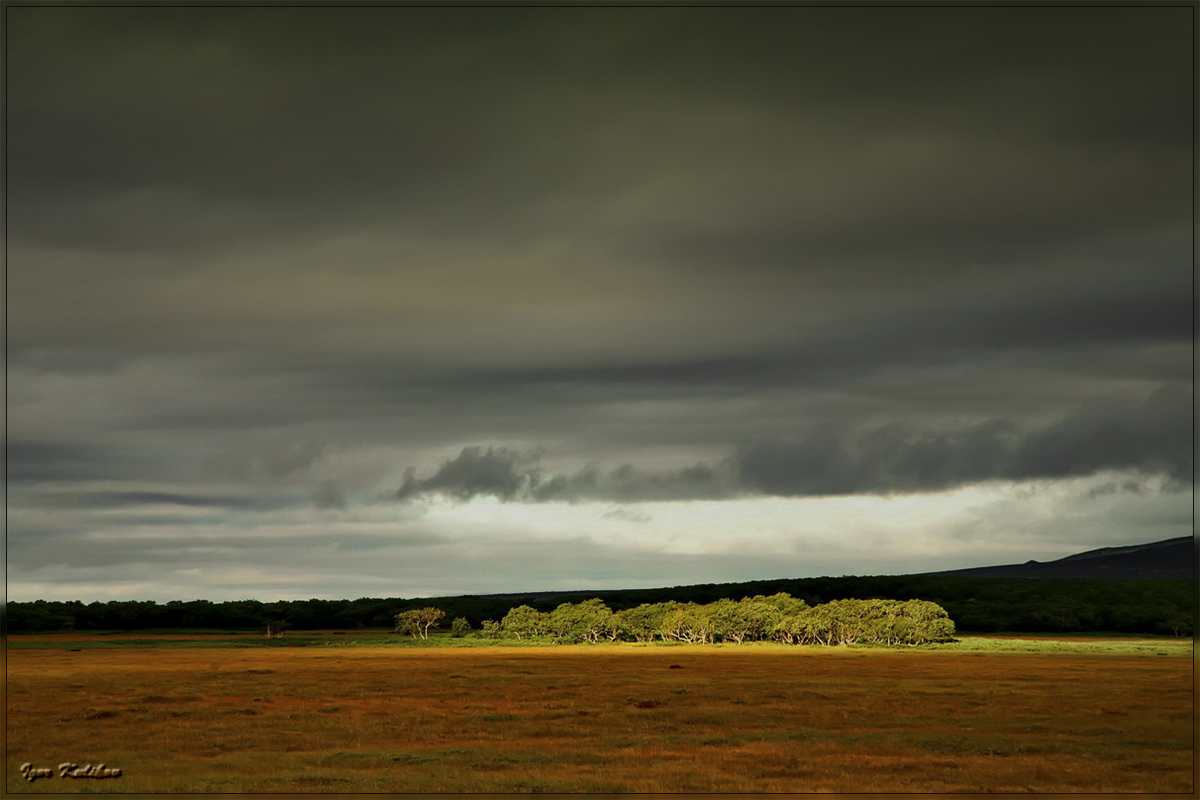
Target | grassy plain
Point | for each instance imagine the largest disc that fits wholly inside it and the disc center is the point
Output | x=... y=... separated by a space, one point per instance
x=216 y=713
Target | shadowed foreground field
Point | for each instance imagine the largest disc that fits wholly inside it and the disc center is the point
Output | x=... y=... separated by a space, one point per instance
x=601 y=718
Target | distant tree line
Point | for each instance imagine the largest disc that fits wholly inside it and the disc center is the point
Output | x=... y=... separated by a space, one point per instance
x=780 y=618
x=125 y=615
x=977 y=605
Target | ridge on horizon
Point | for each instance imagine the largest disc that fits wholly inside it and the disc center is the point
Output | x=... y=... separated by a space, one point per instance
x=1166 y=559
x=1150 y=560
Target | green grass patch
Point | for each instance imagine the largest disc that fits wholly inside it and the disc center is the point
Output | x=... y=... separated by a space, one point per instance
x=1065 y=644
x=1072 y=645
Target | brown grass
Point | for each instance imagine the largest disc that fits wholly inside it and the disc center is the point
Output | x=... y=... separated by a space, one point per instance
x=600 y=719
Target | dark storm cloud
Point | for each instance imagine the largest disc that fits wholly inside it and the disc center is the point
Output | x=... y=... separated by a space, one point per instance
x=32 y=460
x=960 y=330
x=28 y=461
x=812 y=140
x=818 y=141
x=1153 y=437
x=73 y=361
x=205 y=550
x=277 y=121
x=135 y=499
x=511 y=475
x=267 y=121
x=328 y=495
x=1156 y=436
x=627 y=484
x=268 y=460
x=495 y=471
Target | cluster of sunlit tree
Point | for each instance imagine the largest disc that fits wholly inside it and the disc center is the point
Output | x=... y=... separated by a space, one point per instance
x=780 y=618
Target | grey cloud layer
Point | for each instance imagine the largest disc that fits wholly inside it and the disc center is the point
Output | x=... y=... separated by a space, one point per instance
x=260 y=260
x=512 y=475
x=1153 y=437
x=188 y=145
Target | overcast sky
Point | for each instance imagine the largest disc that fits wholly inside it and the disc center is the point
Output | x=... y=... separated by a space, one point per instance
x=387 y=301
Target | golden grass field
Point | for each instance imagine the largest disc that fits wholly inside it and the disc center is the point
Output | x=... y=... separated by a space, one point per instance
x=604 y=718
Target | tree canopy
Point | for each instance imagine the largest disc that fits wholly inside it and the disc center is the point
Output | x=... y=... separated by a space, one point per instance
x=779 y=617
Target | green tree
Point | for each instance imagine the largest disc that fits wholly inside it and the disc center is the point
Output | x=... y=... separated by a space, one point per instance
x=931 y=623
x=783 y=603
x=525 y=621
x=791 y=629
x=784 y=620
x=460 y=626
x=419 y=621
x=886 y=623
x=688 y=622
x=818 y=625
x=738 y=621
x=645 y=621
x=761 y=615
x=589 y=621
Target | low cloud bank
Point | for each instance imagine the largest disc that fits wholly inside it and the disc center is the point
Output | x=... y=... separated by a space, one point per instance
x=512 y=475
x=1152 y=437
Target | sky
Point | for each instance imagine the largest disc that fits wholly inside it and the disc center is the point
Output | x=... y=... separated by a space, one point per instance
x=414 y=301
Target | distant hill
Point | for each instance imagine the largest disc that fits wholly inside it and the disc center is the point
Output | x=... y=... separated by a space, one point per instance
x=1171 y=559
